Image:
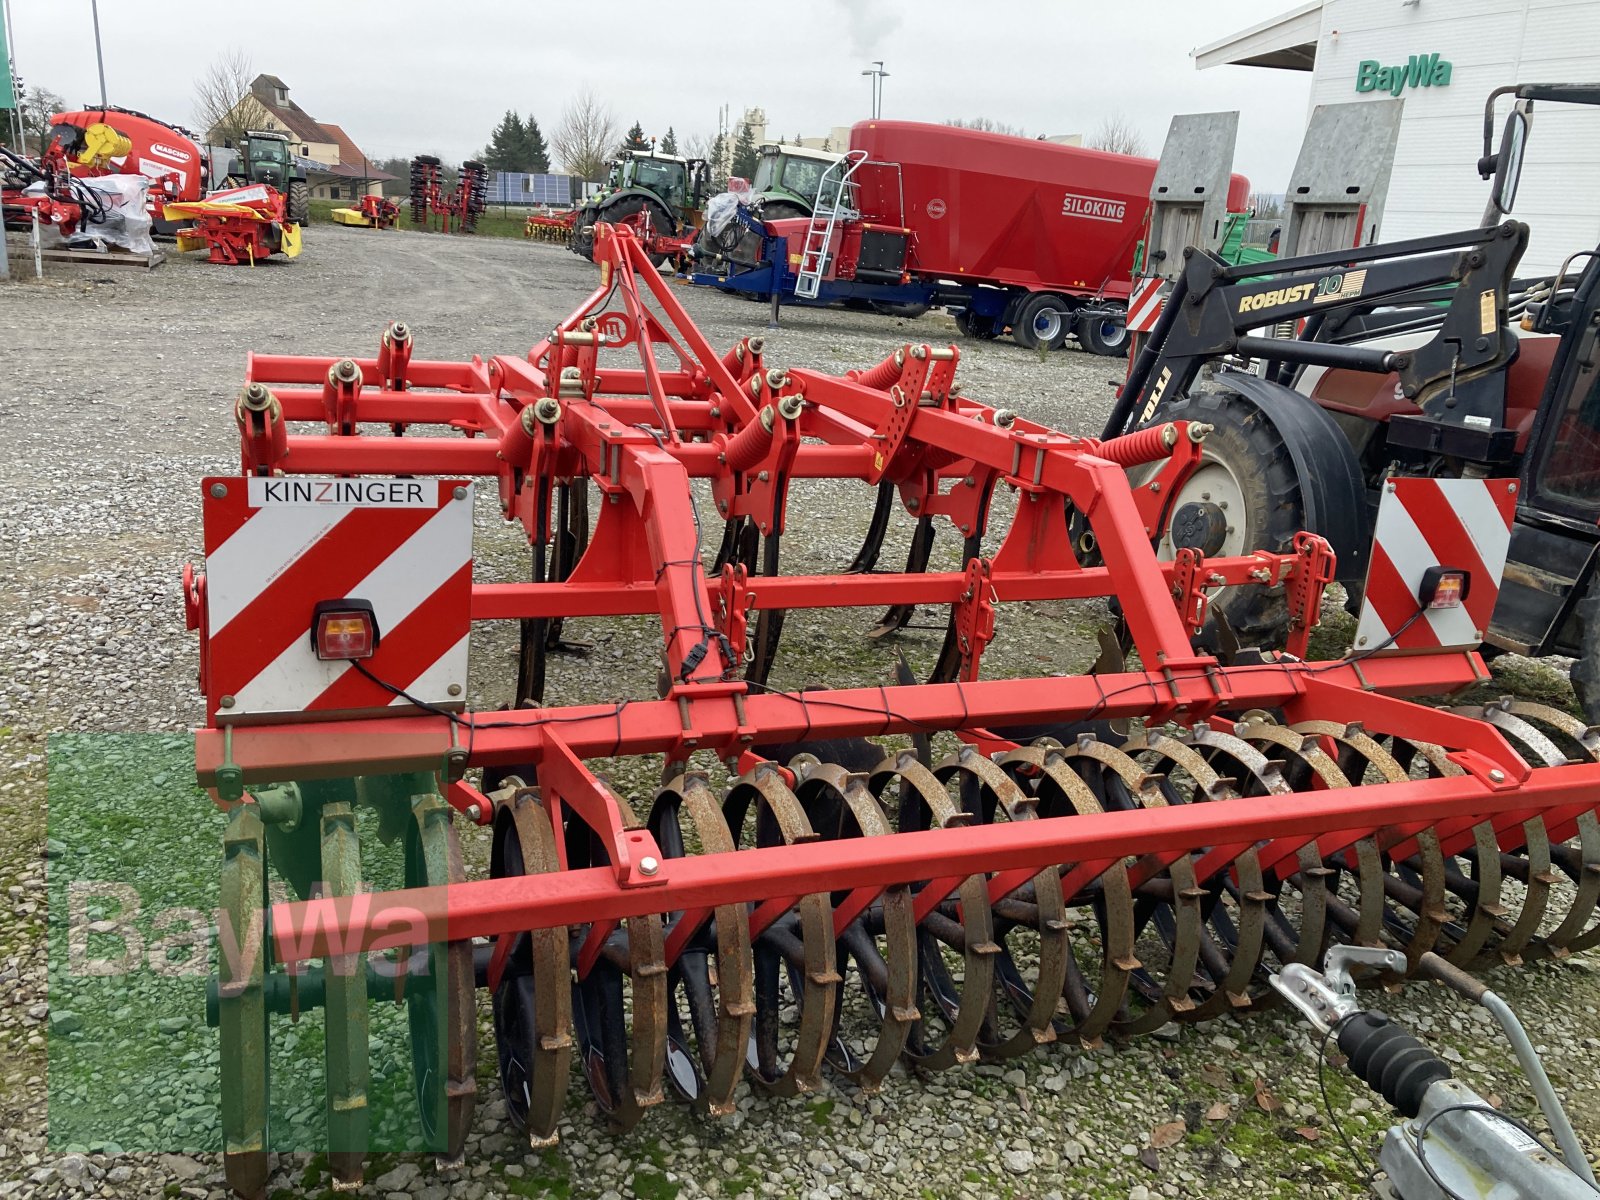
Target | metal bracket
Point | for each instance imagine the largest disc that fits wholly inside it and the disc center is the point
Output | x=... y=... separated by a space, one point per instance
x=1328 y=996
x=1309 y=578
x=974 y=617
x=1190 y=579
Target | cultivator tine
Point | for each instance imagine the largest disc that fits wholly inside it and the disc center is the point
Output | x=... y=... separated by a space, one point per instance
x=345 y=1001
x=242 y=1013
x=877 y=528
x=529 y=976
x=897 y=616
x=708 y=958
x=769 y=621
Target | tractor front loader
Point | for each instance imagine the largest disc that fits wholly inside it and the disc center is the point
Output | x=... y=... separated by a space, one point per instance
x=1409 y=363
x=918 y=876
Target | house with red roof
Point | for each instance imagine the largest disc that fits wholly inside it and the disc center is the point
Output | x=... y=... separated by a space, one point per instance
x=336 y=169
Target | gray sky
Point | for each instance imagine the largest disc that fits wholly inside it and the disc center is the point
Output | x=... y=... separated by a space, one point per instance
x=411 y=76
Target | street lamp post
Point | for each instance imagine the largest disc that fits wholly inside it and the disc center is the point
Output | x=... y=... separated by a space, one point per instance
x=878 y=76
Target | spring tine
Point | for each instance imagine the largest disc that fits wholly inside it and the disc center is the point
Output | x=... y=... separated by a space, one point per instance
x=546 y=1048
x=1145 y=790
x=898 y=616
x=345 y=1004
x=1000 y=793
x=1062 y=790
x=781 y=819
x=924 y=803
x=897 y=1007
x=872 y=545
x=241 y=1007
x=769 y=621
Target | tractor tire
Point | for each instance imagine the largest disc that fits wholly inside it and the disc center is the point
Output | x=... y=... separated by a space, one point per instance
x=970 y=324
x=1043 y=319
x=299 y=206
x=779 y=210
x=625 y=210
x=906 y=312
x=1248 y=493
x=1104 y=335
x=1586 y=670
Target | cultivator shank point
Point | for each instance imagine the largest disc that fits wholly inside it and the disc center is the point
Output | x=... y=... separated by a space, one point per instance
x=833 y=909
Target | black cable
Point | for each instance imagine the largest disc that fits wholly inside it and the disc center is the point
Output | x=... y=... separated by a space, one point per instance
x=1514 y=1122
x=1322 y=1086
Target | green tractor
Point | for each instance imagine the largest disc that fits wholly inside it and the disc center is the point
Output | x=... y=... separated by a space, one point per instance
x=655 y=194
x=786 y=181
x=264 y=157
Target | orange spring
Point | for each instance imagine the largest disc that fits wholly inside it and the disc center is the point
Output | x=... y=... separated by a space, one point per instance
x=1145 y=445
x=882 y=375
x=747 y=447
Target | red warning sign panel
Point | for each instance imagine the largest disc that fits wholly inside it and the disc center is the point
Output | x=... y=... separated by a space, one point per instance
x=278 y=547
x=1455 y=524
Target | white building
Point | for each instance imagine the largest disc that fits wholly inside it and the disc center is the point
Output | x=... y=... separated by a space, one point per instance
x=1443 y=58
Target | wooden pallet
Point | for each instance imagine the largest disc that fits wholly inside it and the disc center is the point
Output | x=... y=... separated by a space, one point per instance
x=21 y=254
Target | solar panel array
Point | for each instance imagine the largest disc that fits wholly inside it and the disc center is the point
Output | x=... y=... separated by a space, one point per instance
x=521 y=187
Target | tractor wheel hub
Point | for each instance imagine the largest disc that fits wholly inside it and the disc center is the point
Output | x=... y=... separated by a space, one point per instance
x=1200 y=524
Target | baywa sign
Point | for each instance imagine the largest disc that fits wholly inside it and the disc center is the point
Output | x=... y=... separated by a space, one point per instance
x=1421 y=70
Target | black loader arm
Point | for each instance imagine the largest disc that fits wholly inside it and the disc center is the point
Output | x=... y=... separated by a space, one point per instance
x=1213 y=306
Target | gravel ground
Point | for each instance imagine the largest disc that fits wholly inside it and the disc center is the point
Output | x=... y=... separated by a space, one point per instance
x=116 y=401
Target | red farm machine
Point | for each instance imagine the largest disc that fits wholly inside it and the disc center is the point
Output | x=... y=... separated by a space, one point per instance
x=1359 y=374
x=369 y=212
x=1013 y=234
x=436 y=205
x=852 y=899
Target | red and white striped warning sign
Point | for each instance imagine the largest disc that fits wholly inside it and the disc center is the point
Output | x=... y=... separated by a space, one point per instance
x=277 y=547
x=1144 y=306
x=1422 y=523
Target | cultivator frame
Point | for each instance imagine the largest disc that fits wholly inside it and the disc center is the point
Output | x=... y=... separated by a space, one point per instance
x=432 y=206
x=1296 y=803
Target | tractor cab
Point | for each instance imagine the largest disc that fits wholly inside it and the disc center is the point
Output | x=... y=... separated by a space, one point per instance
x=673 y=179
x=266 y=159
x=787 y=178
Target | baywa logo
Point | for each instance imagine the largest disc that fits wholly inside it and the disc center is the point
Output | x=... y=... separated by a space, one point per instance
x=171 y=152
x=1421 y=70
x=1094 y=208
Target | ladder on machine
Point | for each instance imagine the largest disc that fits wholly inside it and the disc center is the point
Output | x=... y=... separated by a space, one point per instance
x=832 y=191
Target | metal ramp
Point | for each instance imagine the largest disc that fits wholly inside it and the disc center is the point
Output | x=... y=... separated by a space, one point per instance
x=1341 y=179
x=833 y=193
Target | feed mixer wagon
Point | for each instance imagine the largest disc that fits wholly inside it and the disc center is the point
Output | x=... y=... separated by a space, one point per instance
x=957 y=887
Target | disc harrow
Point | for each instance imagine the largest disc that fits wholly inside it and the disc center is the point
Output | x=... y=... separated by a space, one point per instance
x=928 y=873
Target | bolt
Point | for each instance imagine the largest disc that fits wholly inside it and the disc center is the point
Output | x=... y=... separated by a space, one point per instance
x=648 y=865
x=473 y=813
x=1511 y=489
x=398 y=332
x=454 y=689
x=548 y=410
x=777 y=377
x=919 y=352
x=791 y=406
x=226 y=702
x=1199 y=431
x=218 y=490
x=1496 y=775
x=969 y=482
x=1169 y=435
x=1155 y=485
x=344 y=371
x=913 y=504
x=764 y=476
x=256 y=397
x=715 y=412
x=459 y=493
x=757 y=344
x=1004 y=418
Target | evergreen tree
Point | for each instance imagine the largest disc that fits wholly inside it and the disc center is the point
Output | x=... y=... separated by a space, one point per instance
x=635 y=140
x=505 y=149
x=718 y=160
x=744 y=153
x=535 y=154
x=669 y=144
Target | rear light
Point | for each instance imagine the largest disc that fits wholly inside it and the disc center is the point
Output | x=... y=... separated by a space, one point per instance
x=344 y=629
x=1444 y=587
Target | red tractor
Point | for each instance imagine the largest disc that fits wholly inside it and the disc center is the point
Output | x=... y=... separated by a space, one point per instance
x=1411 y=362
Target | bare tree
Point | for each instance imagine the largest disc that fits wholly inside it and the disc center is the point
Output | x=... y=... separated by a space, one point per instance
x=37 y=108
x=697 y=145
x=987 y=125
x=1116 y=134
x=585 y=136
x=224 y=109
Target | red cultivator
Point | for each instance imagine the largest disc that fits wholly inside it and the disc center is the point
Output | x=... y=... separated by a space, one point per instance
x=1044 y=881
x=434 y=206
